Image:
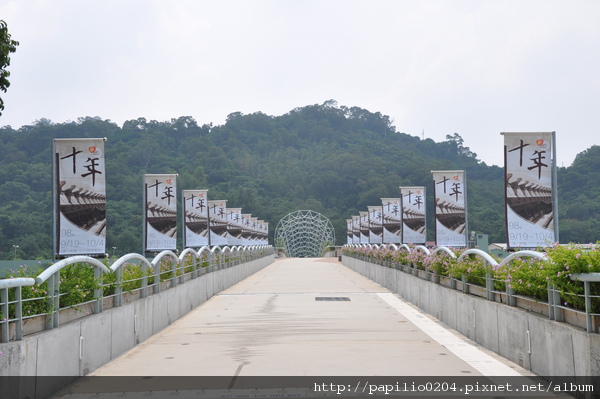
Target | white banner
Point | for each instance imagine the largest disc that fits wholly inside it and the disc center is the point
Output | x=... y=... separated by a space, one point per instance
x=364 y=227
x=349 y=233
x=246 y=232
x=234 y=226
x=195 y=218
x=529 y=175
x=266 y=233
x=217 y=215
x=414 y=229
x=260 y=227
x=80 y=192
x=355 y=229
x=450 y=190
x=160 y=222
x=254 y=231
x=392 y=220
x=375 y=225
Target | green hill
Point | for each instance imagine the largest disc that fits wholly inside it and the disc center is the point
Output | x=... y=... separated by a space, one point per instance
x=331 y=159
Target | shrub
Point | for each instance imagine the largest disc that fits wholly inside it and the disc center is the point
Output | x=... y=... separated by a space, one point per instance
x=528 y=276
x=525 y=276
x=34 y=297
x=568 y=260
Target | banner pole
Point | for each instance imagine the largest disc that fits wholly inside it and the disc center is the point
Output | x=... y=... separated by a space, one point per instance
x=554 y=188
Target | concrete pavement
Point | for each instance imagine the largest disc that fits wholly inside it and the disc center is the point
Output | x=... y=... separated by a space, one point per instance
x=272 y=324
x=307 y=317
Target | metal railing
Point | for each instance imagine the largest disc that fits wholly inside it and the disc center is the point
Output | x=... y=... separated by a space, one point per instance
x=555 y=310
x=588 y=278
x=166 y=267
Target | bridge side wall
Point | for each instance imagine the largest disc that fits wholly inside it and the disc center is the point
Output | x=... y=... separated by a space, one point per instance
x=545 y=347
x=81 y=346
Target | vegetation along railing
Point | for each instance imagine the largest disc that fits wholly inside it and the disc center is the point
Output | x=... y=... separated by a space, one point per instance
x=560 y=281
x=86 y=285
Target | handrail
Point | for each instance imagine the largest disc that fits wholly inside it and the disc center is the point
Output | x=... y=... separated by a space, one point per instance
x=554 y=300
x=4 y=308
x=479 y=252
x=443 y=249
x=121 y=261
x=46 y=274
x=164 y=254
x=587 y=278
x=187 y=251
x=181 y=261
x=423 y=249
x=405 y=247
x=16 y=282
x=52 y=276
x=205 y=248
x=592 y=277
x=524 y=253
x=156 y=265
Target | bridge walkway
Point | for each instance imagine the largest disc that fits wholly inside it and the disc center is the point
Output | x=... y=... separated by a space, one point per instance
x=306 y=317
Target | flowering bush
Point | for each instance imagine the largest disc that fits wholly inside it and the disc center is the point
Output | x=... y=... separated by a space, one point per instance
x=34 y=297
x=77 y=284
x=525 y=276
x=568 y=260
x=418 y=259
x=400 y=256
x=441 y=263
x=473 y=267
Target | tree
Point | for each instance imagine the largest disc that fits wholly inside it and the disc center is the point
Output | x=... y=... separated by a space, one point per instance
x=7 y=46
x=456 y=140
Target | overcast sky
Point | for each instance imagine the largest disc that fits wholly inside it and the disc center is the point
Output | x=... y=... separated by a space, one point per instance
x=476 y=68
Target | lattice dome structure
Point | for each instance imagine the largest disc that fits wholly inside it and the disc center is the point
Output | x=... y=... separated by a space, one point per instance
x=304 y=234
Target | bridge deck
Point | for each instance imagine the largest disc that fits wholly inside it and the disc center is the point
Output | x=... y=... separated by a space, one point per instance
x=312 y=317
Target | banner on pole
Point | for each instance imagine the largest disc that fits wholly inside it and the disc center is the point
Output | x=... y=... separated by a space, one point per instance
x=217 y=215
x=246 y=231
x=349 y=233
x=355 y=229
x=530 y=189
x=375 y=225
x=265 y=233
x=160 y=216
x=80 y=197
x=364 y=227
x=450 y=190
x=414 y=229
x=234 y=226
x=254 y=230
x=260 y=231
x=392 y=220
x=195 y=218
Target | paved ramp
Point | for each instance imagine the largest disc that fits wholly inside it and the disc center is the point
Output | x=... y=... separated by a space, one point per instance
x=306 y=317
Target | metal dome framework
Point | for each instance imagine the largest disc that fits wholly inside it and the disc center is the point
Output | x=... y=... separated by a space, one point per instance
x=304 y=234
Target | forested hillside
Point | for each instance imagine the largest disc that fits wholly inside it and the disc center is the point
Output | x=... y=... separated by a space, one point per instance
x=332 y=159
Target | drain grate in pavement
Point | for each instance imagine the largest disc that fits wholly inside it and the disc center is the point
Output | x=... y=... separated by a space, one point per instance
x=332 y=298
